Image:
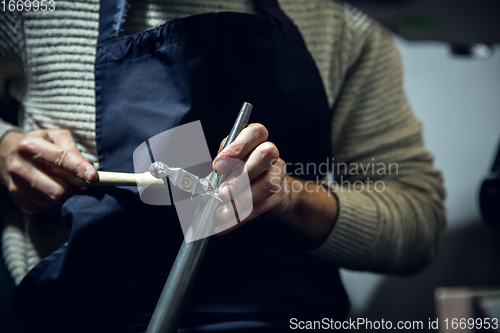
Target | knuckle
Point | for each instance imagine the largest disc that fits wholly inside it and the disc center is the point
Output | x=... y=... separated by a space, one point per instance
x=60 y=158
x=15 y=168
x=269 y=151
x=81 y=165
x=277 y=167
x=237 y=150
x=260 y=130
x=275 y=184
x=57 y=195
x=64 y=132
x=281 y=164
x=25 y=145
x=271 y=184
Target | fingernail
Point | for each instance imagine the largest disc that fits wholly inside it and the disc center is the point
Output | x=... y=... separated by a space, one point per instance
x=88 y=175
x=223 y=213
x=221 y=166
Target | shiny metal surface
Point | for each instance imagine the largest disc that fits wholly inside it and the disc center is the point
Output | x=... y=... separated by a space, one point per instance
x=176 y=291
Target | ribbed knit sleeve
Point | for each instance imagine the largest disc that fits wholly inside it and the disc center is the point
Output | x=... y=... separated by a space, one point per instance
x=390 y=196
x=11 y=65
x=60 y=56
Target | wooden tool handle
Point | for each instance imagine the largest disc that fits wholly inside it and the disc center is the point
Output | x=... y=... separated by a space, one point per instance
x=107 y=178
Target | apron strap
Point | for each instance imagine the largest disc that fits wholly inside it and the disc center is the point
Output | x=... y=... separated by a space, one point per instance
x=112 y=14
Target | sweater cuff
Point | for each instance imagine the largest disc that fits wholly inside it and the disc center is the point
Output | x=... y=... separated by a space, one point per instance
x=354 y=232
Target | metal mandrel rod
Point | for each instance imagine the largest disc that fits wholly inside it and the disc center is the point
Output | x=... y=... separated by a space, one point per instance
x=175 y=294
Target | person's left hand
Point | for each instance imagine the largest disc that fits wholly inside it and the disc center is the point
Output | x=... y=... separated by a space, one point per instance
x=266 y=173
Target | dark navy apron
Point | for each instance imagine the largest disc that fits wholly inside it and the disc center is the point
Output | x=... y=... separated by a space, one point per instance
x=108 y=276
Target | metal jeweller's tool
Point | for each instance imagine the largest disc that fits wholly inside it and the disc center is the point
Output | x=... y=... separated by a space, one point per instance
x=155 y=178
x=183 y=179
x=174 y=296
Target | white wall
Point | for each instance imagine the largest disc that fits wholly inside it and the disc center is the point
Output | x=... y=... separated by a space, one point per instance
x=458 y=102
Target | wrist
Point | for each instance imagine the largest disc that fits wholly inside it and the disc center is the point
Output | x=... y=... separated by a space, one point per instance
x=290 y=200
x=309 y=209
x=9 y=142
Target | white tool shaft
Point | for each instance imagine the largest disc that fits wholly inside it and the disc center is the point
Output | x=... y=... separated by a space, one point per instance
x=107 y=178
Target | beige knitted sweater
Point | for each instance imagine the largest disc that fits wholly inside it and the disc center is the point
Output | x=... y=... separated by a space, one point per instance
x=394 y=229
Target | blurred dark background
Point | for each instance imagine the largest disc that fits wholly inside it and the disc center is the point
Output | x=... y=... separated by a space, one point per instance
x=460 y=22
x=451 y=57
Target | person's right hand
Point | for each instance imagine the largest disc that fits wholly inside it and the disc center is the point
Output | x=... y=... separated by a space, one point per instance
x=30 y=162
